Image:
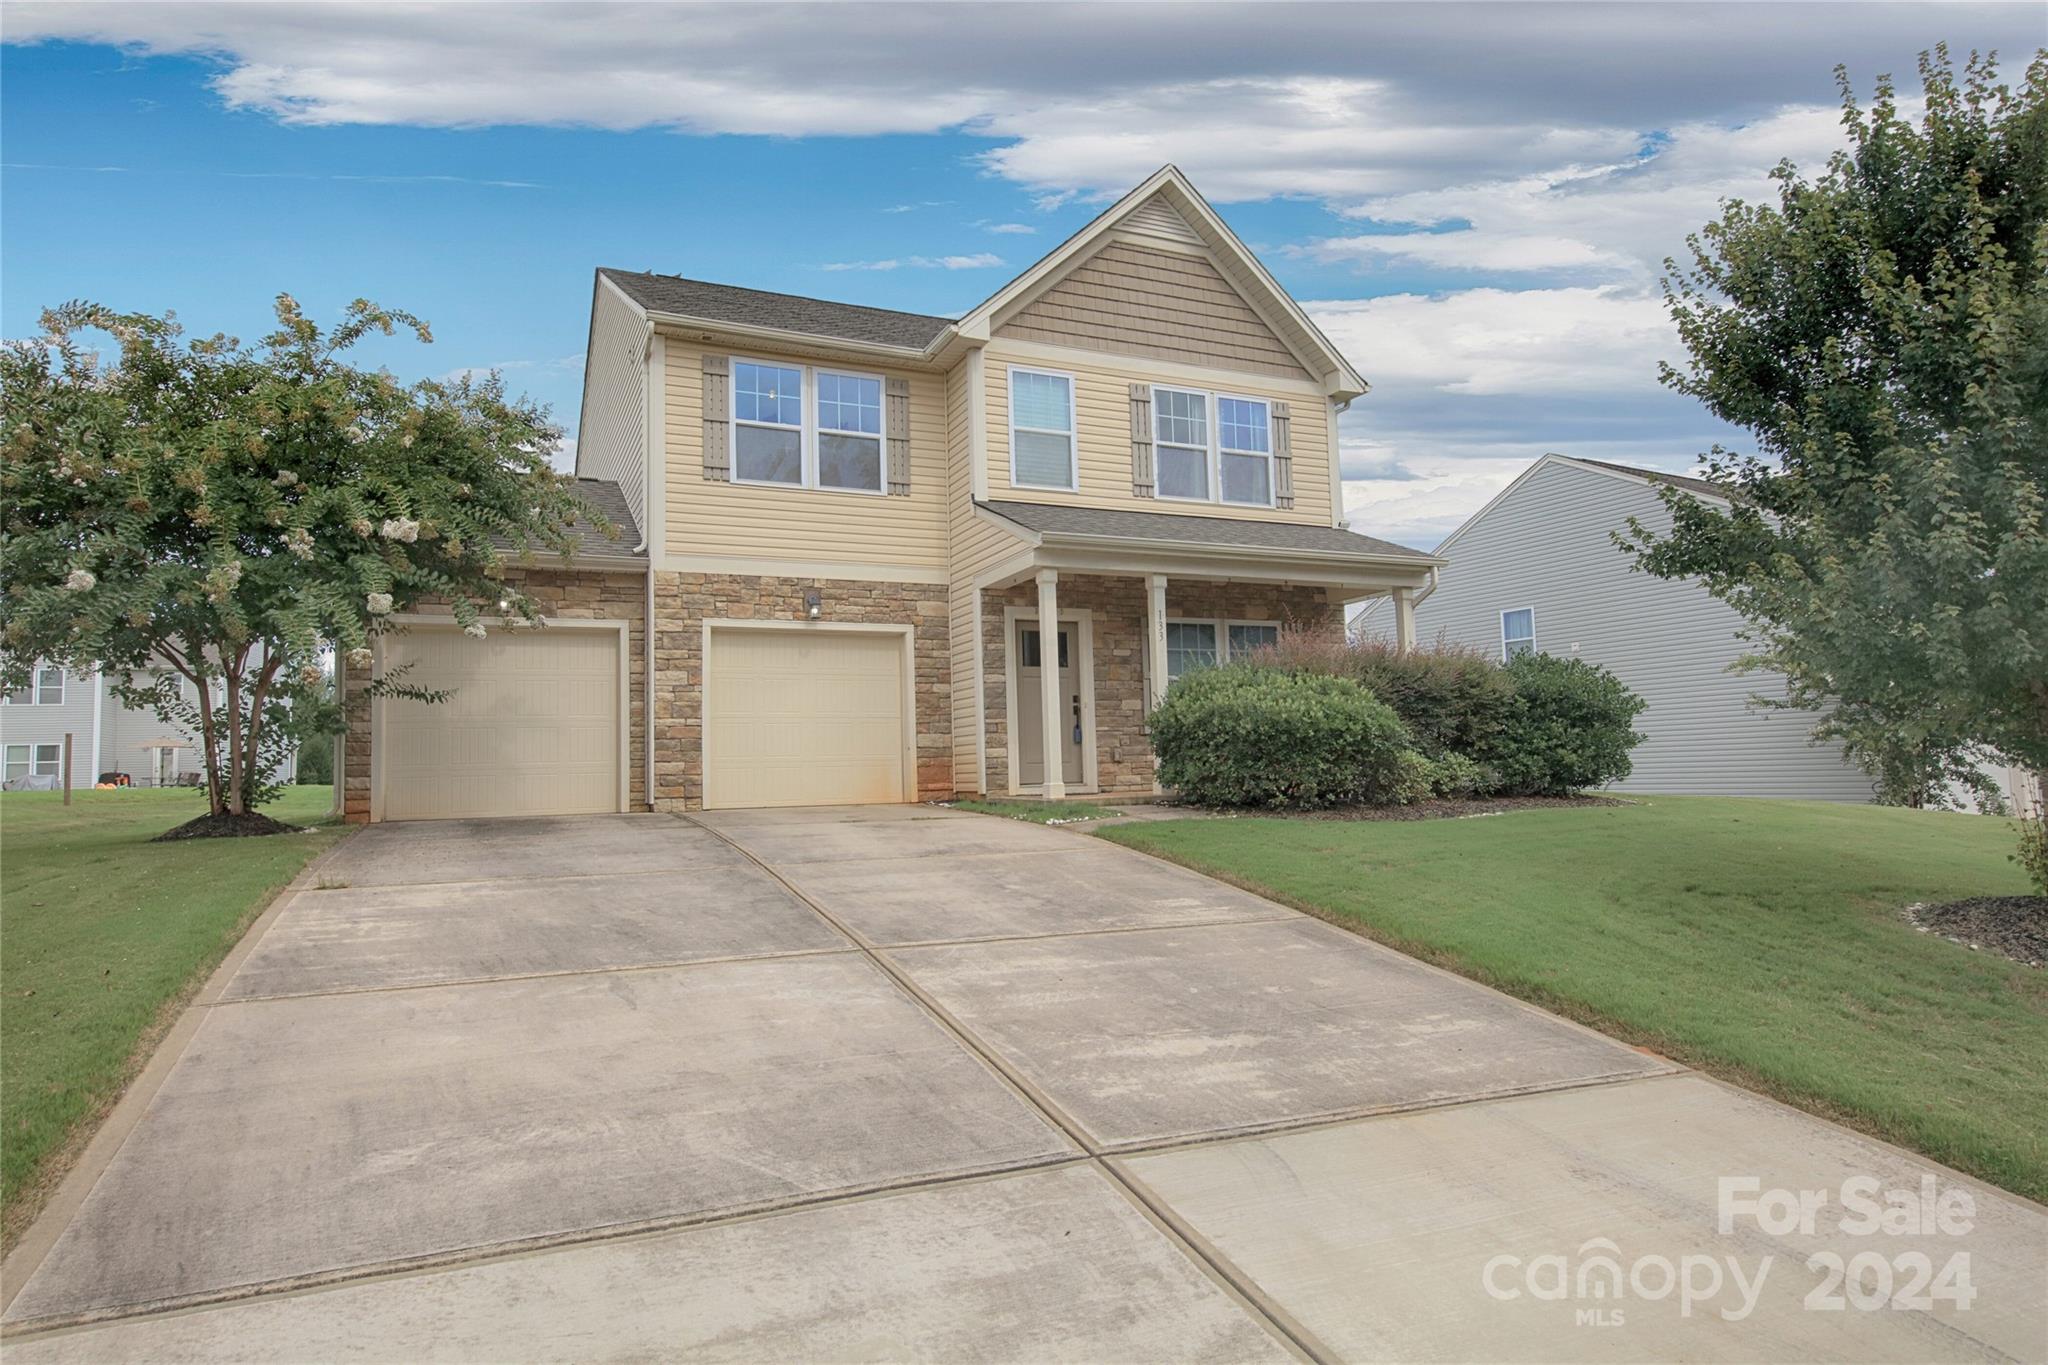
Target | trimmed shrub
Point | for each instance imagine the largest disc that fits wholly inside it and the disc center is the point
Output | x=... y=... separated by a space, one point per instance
x=1453 y=700
x=1569 y=728
x=1248 y=734
x=1456 y=777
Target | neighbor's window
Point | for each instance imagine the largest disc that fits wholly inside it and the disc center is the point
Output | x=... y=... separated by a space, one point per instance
x=1041 y=429
x=40 y=759
x=1189 y=645
x=767 y=423
x=1180 y=443
x=849 y=431
x=1246 y=636
x=49 y=687
x=1517 y=633
x=1244 y=443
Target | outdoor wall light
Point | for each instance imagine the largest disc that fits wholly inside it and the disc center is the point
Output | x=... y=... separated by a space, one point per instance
x=814 y=603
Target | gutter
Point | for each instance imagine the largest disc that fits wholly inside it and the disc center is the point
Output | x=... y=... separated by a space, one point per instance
x=914 y=354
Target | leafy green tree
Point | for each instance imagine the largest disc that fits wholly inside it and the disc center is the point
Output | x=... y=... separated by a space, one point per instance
x=1882 y=333
x=205 y=518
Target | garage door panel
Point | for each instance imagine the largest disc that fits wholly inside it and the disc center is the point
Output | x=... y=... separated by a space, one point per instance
x=804 y=718
x=531 y=726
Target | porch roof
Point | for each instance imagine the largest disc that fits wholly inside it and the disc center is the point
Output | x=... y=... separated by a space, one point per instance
x=1176 y=531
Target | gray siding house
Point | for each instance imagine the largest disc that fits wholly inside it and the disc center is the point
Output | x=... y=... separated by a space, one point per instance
x=1535 y=569
x=106 y=737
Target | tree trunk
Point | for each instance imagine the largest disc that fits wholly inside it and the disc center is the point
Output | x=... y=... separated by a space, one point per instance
x=233 y=708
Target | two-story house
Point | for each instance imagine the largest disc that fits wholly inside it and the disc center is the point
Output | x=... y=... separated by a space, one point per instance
x=849 y=532
x=108 y=739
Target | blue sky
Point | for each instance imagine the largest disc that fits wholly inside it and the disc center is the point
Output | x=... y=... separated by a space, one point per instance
x=1472 y=200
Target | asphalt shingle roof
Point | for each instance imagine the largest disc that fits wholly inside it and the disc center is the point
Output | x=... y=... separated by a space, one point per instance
x=1063 y=519
x=786 y=312
x=604 y=497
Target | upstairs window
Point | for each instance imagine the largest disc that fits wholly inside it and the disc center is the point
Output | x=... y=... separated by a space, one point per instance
x=1517 y=633
x=849 y=431
x=768 y=423
x=1212 y=447
x=1180 y=437
x=45 y=688
x=1041 y=429
x=799 y=427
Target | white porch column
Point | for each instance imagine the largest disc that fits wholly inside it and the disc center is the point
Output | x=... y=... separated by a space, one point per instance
x=1404 y=619
x=1155 y=639
x=1051 y=699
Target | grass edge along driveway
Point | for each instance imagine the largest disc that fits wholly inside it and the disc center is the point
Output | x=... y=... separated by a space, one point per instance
x=1761 y=941
x=106 y=937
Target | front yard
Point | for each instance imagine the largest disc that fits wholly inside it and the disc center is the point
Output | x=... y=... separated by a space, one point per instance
x=1758 y=940
x=104 y=934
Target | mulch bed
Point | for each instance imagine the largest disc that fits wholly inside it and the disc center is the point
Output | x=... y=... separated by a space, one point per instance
x=1457 y=810
x=209 y=826
x=1423 y=810
x=2011 y=926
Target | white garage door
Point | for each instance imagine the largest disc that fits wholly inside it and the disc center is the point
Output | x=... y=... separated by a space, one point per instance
x=804 y=718
x=532 y=727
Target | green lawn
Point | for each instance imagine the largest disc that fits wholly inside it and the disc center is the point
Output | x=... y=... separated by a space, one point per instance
x=1760 y=940
x=101 y=930
x=1039 y=812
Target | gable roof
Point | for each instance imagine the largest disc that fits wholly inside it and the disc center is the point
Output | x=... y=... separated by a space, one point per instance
x=604 y=497
x=1165 y=207
x=678 y=297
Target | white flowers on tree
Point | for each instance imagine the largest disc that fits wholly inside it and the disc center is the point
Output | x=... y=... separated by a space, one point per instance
x=215 y=522
x=474 y=630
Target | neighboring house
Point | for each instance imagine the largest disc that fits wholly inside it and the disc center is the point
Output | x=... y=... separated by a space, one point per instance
x=106 y=737
x=1536 y=568
x=842 y=529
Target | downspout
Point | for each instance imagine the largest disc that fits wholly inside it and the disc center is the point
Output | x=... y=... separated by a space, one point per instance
x=649 y=429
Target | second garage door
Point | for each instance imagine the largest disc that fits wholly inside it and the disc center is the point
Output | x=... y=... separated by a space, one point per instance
x=804 y=718
x=531 y=725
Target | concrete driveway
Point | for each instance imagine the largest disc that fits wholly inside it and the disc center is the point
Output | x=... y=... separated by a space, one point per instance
x=903 y=1083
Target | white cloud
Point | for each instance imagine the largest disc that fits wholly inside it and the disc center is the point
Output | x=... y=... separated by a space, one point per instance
x=1007 y=229
x=1597 y=339
x=980 y=260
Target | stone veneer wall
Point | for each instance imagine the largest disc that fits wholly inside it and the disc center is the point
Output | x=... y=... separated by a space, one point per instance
x=576 y=594
x=684 y=601
x=1123 y=753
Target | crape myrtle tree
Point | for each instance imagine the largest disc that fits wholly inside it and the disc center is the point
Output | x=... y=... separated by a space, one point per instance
x=1882 y=333
x=204 y=519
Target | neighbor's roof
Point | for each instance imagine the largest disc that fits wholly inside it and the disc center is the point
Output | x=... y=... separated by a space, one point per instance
x=783 y=312
x=1097 y=523
x=1684 y=481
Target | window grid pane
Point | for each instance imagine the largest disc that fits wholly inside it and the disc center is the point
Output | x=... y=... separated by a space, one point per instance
x=1246 y=638
x=1180 y=418
x=17 y=761
x=1189 y=645
x=768 y=393
x=1242 y=425
x=48 y=757
x=849 y=403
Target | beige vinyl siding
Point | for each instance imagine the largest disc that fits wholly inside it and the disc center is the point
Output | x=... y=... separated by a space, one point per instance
x=1102 y=413
x=748 y=521
x=1169 y=305
x=1545 y=546
x=614 y=428
x=976 y=544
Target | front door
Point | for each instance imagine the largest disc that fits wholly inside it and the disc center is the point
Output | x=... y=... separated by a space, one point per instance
x=1030 y=657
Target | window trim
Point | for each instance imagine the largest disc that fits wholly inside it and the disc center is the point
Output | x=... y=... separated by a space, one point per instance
x=62 y=680
x=1222 y=625
x=1072 y=433
x=1212 y=409
x=1530 y=638
x=807 y=428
